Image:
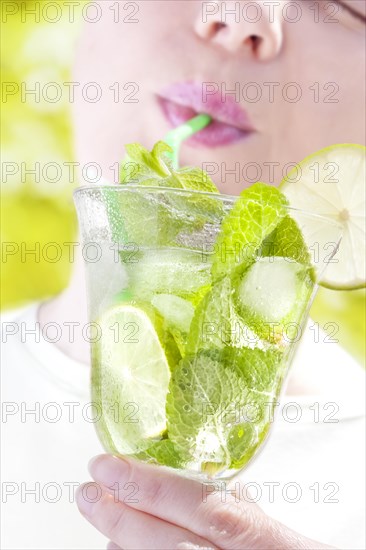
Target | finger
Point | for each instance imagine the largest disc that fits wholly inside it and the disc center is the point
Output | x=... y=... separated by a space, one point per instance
x=205 y=510
x=130 y=528
x=112 y=546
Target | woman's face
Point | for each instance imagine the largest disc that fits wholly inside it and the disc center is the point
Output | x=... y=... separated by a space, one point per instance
x=280 y=79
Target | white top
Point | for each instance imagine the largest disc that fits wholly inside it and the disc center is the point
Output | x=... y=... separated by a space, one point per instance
x=310 y=474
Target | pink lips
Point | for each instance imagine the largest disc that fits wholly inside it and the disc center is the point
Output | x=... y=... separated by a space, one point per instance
x=182 y=101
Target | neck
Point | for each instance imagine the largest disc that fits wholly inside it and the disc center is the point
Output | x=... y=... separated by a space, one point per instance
x=69 y=310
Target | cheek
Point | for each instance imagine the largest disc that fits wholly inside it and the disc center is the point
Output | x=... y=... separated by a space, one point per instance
x=330 y=72
x=127 y=63
x=132 y=43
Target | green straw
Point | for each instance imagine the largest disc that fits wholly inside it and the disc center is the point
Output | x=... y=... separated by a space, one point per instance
x=175 y=137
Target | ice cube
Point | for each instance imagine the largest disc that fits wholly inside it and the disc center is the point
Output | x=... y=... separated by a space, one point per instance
x=271 y=287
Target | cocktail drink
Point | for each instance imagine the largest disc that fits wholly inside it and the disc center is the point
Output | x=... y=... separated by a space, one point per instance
x=198 y=301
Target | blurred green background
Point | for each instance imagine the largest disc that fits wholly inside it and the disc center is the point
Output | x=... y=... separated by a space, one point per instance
x=41 y=212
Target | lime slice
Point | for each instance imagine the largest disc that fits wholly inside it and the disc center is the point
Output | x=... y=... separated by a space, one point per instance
x=331 y=183
x=134 y=374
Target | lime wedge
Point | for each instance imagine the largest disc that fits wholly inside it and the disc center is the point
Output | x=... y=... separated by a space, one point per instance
x=134 y=375
x=332 y=183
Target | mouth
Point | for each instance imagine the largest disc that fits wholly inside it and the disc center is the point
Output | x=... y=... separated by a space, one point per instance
x=182 y=101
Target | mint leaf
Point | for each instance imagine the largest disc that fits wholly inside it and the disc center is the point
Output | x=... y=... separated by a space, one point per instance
x=154 y=164
x=261 y=370
x=160 y=157
x=154 y=168
x=220 y=403
x=196 y=180
x=201 y=394
x=215 y=323
x=163 y=452
x=257 y=212
x=287 y=241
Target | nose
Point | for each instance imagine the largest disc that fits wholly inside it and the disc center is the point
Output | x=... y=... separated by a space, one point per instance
x=254 y=27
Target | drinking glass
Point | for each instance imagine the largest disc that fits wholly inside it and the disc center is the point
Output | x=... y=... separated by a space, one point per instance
x=187 y=368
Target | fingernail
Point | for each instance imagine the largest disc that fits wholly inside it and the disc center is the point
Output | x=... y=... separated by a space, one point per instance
x=107 y=469
x=86 y=497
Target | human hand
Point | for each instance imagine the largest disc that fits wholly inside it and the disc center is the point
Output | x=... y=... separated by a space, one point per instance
x=141 y=506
